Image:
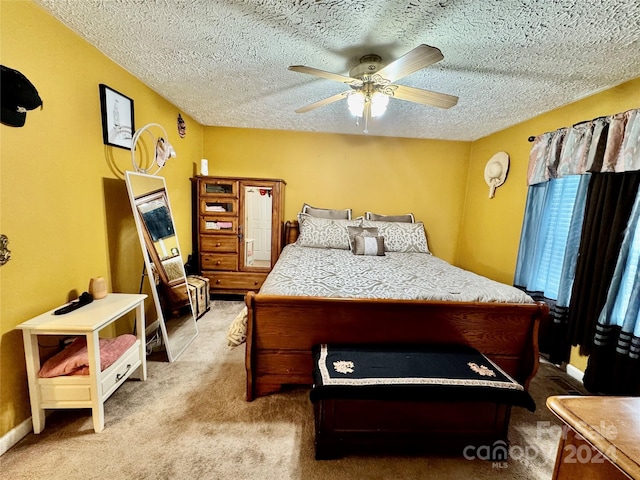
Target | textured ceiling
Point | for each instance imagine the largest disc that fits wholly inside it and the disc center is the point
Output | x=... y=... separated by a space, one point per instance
x=224 y=62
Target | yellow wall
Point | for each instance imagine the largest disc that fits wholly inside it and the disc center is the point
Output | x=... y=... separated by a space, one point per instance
x=382 y=175
x=490 y=231
x=63 y=201
x=64 y=207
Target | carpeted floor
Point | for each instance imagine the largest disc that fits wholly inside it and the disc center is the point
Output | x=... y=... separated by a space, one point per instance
x=189 y=420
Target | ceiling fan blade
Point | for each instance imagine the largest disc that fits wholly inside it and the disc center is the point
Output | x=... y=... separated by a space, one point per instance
x=420 y=57
x=324 y=102
x=425 y=97
x=321 y=73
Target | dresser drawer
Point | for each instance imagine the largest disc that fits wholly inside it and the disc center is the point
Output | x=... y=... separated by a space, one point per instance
x=220 y=207
x=211 y=261
x=218 y=243
x=218 y=187
x=219 y=225
x=235 y=281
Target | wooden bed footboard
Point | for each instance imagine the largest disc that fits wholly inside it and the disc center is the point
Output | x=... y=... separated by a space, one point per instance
x=281 y=331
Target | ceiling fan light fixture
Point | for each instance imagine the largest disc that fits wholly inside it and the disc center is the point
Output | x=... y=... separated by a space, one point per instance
x=356 y=100
x=372 y=83
x=379 y=102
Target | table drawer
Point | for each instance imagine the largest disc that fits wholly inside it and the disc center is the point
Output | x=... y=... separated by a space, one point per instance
x=117 y=373
x=65 y=392
x=235 y=281
x=218 y=243
x=210 y=261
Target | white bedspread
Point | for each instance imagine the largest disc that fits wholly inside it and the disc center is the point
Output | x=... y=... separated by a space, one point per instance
x=320 y=272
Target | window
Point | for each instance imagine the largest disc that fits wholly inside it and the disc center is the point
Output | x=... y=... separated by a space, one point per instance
x=551 y=235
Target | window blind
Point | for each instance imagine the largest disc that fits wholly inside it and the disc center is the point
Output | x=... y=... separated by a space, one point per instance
x=555 y=226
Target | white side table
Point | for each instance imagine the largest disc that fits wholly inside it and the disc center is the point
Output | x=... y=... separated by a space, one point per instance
x=83 y=391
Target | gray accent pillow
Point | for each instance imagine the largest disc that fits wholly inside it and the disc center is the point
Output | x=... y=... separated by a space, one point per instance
x=344 y=214
x=406 y=218
x=364 y=231
x=366 y=245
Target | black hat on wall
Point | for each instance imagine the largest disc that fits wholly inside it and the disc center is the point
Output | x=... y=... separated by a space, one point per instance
x=17 y=96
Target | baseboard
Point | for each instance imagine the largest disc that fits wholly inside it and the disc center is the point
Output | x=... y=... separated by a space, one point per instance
x=13 y=436
x=574 y=372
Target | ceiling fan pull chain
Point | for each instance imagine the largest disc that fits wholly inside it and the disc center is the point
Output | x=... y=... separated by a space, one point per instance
x=367 y=112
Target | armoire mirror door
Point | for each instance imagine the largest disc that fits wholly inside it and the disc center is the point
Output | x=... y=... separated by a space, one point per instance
x=163 y=261
x=256 y=244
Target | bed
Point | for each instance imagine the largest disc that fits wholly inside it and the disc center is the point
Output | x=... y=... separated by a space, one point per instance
x=319 y=292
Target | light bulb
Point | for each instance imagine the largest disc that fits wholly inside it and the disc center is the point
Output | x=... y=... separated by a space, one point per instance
x=379 y=102
x=356 y=103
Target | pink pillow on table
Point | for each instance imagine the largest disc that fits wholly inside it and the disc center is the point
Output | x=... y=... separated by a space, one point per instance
x=74 y=359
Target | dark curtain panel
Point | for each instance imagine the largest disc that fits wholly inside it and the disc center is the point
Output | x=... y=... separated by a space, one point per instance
x=609 y=371
x=552 y=336
x=609 y=202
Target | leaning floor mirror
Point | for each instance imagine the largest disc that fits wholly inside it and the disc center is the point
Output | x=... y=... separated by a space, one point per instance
x=163 y=261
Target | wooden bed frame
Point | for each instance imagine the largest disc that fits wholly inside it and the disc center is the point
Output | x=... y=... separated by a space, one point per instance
x=281 y=330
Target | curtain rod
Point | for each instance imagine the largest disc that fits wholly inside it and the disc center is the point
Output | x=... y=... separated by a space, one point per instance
x=532 y=138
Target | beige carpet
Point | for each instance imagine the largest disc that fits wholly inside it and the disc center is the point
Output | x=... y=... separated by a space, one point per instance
x=189 y=420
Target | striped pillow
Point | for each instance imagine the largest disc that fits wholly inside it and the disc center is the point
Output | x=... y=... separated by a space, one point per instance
x=366 y=245
x=366 y=232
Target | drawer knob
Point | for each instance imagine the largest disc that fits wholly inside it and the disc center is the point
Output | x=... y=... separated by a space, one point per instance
x=218 y=282
x=218 y=244
x=218 y=262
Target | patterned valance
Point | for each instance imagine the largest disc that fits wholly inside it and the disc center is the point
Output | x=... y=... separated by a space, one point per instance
x=604 y=144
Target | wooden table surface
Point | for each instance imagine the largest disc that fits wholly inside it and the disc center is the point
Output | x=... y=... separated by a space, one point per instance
x=610 y=424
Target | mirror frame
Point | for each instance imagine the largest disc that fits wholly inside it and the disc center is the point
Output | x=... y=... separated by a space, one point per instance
x=152 y=260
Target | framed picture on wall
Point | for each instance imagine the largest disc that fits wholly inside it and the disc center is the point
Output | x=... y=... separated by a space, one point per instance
x=117 y=118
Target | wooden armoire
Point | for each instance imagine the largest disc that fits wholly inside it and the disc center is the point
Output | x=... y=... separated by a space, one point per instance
x=238 y=230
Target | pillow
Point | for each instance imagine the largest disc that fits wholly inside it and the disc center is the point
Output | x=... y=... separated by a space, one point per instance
x=364 y=231
x=368 y=245
x=74 y=359
x=324 y=232
x=401 y=237
x=407 y=218
x=344 y=214
x=237 y=331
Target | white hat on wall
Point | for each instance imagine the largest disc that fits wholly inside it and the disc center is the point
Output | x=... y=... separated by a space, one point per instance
x=495 y=172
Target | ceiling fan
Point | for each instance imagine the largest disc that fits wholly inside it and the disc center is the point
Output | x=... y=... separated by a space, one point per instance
x=371 y=83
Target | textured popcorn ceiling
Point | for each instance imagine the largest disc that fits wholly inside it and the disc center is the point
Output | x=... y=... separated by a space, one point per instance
x=224 y=62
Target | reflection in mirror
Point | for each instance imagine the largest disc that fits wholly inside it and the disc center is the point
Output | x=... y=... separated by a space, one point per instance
x=258 y=206
x=163 y=261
